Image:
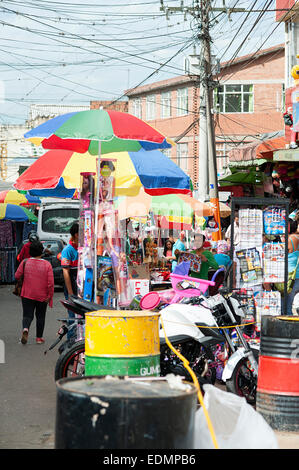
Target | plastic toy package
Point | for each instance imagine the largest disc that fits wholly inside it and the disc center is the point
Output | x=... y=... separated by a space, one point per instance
x=274 y=221
x=86 y=257
x=273 y=262
x=110 y=241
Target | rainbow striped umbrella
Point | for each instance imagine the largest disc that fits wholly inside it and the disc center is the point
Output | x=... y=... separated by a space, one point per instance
x=16 y=213
x=12 y=196
x=57 y=173
x=83 y=130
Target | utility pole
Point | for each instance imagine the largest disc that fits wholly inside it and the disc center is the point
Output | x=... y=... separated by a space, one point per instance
x=207 y=181
x=207 y=91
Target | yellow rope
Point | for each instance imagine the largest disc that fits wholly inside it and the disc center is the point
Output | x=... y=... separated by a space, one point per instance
x=194 y=378
x=217 y=327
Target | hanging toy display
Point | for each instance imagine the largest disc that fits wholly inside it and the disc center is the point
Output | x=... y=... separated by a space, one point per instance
x=109 y=241
x=212 y=225
x=86 y=237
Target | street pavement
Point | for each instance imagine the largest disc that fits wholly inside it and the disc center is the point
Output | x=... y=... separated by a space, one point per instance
x=28 y=390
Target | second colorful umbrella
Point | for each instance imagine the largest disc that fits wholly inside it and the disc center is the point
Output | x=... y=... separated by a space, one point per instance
x=11 y=196
x=16 y=213
x=57 y=173
x=178 y=208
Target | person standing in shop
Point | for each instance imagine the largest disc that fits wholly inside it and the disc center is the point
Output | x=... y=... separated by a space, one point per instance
x=236 y=240
x=207 y=258
x=177 y=247
x=69 y=263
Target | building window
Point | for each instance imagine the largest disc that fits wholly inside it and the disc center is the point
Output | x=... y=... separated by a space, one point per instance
x=182 y=156
x=234 y=99
x=165 y=104
x=150 y=107
x=182 y=102
x=136 y=108
x=283 y=98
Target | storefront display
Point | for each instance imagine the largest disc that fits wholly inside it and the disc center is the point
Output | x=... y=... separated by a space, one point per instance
x=260 y=259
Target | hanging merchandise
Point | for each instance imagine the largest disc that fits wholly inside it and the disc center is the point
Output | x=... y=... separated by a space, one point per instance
x=273 y=262
x=251 y=228
x=274 y=221
x=250 y=267
x=109 y=235
x=86 y=237
x=106 y=284
x=266 y=303
x=212 y=225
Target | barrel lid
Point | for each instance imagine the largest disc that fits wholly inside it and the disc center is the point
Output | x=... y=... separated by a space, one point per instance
x=122 y=313
x=115 y=387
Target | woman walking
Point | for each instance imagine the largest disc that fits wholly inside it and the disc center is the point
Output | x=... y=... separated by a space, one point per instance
x=37 y=290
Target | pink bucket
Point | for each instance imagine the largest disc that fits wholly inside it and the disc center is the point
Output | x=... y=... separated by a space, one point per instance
x=153 y=299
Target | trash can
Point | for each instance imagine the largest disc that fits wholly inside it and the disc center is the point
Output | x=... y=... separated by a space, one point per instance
x=124 y=413
x=278 y=373
x=122 y=342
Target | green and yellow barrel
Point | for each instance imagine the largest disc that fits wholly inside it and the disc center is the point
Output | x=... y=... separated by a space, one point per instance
x=122 y=343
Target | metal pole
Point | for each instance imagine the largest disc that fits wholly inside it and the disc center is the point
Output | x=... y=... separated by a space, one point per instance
x=203 y=170
x=213 y=181
x=96 y=234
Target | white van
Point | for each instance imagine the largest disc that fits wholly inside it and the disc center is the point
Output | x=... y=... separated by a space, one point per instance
x=55 y=218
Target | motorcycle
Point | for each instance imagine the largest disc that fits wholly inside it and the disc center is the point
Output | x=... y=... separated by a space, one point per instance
x=196 y=327
x=183 y=334
x=240 y=370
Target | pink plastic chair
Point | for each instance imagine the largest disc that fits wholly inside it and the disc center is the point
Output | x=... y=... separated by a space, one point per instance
x=200 y=287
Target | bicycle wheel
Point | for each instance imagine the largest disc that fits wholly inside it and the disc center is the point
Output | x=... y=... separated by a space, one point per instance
x=71 y=362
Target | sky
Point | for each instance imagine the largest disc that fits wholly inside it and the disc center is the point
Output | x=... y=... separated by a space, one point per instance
x=63 y=52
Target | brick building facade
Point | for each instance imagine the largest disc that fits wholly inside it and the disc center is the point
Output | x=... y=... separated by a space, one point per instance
x=248 y=102
x=116 y=106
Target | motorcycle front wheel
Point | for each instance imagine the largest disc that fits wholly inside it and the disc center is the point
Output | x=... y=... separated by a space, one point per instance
x=71 y=362
x=243 y=382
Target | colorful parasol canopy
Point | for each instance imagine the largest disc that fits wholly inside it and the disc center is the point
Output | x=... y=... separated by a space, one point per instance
x=83 y=130
x=12 y=196
x=16 y=213
x=177 y=208
x=57 y=173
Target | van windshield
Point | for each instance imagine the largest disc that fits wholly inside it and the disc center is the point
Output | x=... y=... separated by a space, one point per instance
x=59 y=220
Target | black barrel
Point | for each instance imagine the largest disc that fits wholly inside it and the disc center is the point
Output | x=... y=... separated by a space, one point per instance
x=115 y=413
x=278 y=375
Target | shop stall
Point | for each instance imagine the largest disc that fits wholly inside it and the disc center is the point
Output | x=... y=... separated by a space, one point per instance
x=261 y=254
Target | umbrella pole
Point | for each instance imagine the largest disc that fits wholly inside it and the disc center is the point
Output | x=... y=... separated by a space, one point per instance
x=96 y=223
x=141 y=236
